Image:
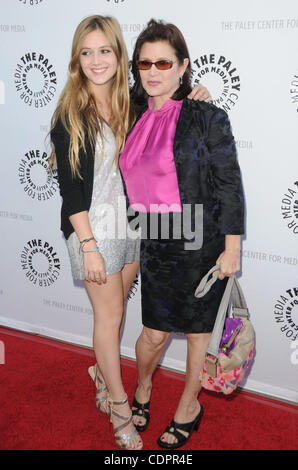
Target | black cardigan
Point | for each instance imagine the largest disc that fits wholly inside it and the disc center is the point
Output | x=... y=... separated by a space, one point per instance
x=76 y=193
x=206 y=163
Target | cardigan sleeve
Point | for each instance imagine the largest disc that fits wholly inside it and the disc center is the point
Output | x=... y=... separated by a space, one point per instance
x=226 y=175
x=71 y=187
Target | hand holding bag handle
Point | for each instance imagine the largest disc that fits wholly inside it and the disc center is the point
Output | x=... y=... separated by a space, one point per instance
x=239 y=309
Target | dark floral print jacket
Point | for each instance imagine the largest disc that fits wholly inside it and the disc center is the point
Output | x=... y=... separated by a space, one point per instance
x=208 y=172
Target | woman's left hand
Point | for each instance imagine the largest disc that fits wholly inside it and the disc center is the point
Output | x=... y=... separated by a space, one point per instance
x=229 y=263
x=200 y=93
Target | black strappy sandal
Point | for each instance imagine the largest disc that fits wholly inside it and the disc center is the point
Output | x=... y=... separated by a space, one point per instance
x=174 y=429
x=142 y=411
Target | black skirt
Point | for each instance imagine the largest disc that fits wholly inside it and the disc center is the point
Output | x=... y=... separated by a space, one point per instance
x=169 y=277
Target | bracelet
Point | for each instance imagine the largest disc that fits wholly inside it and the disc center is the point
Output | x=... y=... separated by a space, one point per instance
x=95 y=250
x=87 y=240
x=83 y=242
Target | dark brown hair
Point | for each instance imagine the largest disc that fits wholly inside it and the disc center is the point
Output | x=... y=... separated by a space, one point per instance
x=161 y=31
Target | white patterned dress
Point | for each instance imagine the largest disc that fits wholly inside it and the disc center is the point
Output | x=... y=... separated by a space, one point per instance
x=107 y=214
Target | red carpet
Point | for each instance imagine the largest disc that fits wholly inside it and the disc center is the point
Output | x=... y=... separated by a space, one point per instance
x=47 y=402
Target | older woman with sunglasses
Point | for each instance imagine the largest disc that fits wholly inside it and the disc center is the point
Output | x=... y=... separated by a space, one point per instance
x=179 y=165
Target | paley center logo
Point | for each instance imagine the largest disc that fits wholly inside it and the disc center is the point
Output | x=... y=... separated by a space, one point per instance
x=133 y=288
x=37 y=182
x=294 y=90
x=40 y=262
x=35 y=79
x=286 y=313
x=289 y=207
x=220 y=75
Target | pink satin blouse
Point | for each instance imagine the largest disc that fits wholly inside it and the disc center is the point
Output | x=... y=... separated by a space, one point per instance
x=147 y=161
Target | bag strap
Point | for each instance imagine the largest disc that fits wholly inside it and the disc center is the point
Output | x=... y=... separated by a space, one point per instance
x=233 y=293
x=238 y=299
x=205 y=285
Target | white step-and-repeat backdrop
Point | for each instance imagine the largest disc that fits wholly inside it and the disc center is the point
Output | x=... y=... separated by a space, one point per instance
x=246 y=54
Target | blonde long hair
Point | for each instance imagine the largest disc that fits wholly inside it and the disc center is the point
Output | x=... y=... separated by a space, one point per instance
x=76 y=101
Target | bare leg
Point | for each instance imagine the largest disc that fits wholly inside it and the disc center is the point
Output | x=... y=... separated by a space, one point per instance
x=128 y=274
x=107 y=302
x=149 y=348
x=189 y=407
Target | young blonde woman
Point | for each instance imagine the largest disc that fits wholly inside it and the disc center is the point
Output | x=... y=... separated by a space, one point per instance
x=89 y=128
x=88 y=132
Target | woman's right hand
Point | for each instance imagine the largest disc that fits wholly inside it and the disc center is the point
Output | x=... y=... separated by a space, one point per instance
x=94 y=265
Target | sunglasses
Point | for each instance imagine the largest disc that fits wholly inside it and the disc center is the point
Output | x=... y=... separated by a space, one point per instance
x=160 y=64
